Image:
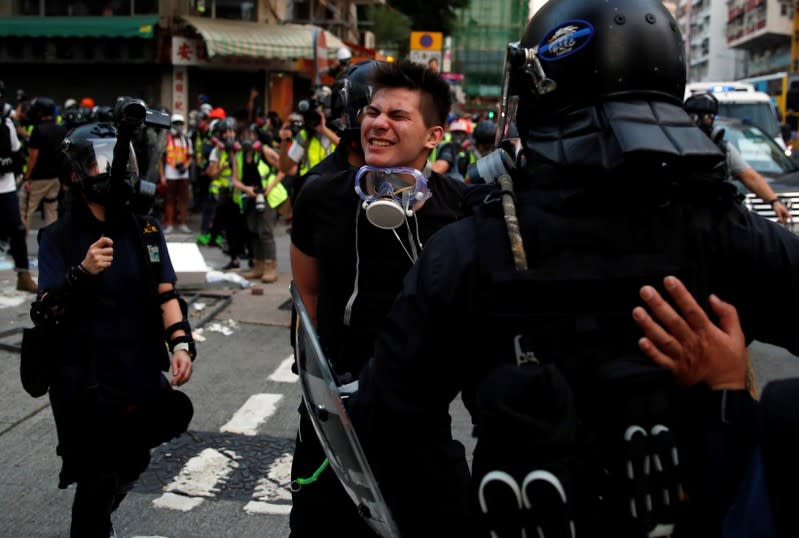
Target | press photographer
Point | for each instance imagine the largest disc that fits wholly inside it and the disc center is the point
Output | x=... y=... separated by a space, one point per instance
x=301 y=151
x=108 y=323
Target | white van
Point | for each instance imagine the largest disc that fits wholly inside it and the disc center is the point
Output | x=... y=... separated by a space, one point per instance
x=741 y=100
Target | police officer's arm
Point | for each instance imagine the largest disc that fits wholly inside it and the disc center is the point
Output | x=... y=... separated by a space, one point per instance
x=172 y=314
x=688 y=343
x=305 y=273
x=758 y=185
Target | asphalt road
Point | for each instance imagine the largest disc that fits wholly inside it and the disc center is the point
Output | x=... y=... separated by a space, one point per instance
x=228 y=477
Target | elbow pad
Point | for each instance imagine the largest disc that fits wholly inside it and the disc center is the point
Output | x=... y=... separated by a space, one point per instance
x=180 y=325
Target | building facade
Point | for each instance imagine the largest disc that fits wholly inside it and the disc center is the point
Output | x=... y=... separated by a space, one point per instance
x=704 y=27
x=479 y=41
x=761 y=30
x=169 y=52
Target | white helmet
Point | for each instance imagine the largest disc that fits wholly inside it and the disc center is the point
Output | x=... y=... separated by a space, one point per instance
x=178 y=118
x=206 y=108
x=343 y=54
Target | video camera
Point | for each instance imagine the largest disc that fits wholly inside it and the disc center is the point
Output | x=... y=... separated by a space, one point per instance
x=130 y=114
x=310 y=108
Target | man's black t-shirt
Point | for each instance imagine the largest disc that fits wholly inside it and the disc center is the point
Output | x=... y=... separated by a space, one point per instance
x=324 y=227
x=47 y=138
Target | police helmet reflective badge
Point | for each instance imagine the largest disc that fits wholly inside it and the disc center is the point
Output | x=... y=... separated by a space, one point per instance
x=568 y=38
x=150 y=229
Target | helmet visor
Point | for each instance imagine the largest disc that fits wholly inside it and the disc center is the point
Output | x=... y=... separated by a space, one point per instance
x=405 y=185
x=97 y=158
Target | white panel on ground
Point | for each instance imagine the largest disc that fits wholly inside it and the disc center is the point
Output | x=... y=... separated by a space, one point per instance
x=253 y=413
x=189 y=264
x=197 y=480
x=283 y=373
x=272 y=494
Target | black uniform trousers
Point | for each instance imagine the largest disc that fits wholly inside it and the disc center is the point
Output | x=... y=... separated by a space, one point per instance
x=321 y=508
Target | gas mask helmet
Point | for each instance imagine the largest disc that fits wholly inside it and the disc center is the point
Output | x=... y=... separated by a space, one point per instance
x=390 y=195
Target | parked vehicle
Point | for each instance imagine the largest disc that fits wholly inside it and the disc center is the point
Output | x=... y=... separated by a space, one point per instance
x=768 y=159
x=742 y=101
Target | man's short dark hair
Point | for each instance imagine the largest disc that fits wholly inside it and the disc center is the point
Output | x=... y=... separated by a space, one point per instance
x=435 y=98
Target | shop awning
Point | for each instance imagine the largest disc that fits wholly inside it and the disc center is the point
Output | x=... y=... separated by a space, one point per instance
x=78 y=26
x=225 y=37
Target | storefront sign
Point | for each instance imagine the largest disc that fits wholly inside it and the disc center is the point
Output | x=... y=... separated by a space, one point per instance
x=187 y=51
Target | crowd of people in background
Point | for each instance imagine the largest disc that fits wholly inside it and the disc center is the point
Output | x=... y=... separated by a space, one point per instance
x=237 y=169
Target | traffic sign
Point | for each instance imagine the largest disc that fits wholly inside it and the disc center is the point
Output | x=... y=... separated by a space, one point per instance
x=426 y=40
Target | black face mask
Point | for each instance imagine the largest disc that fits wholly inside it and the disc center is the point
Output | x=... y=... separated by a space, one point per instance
x=229 y=141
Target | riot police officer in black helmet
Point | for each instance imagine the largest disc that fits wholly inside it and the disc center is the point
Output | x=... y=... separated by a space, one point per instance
x=108 y=310
x=525 y=307
x=350 y=94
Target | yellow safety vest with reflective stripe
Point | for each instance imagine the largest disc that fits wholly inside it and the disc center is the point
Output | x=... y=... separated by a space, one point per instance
x=434 y=154
x=225 y=177
x=276 y=196
x=314 y=152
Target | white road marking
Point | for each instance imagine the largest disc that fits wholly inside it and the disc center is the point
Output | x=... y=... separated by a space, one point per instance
x=283 y=373
x=179 y=503
x=253 y=413
x=273 y=487
x=197 y=480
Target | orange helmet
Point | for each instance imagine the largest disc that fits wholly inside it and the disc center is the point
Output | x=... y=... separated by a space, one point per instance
x=217 y=113
x=87 y=102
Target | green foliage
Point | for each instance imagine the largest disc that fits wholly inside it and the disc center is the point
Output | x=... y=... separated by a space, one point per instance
x=430 y=15
x=392 y=29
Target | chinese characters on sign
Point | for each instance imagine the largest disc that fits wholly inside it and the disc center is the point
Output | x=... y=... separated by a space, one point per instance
x=180 y=90
x=188 y=51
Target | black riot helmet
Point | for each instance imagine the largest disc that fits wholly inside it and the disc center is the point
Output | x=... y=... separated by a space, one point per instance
x=40 y=107
x=485 y=132
x=701 y=104
x=350 y=94
x=703 y=108
x=578 y=53
x=89 y=149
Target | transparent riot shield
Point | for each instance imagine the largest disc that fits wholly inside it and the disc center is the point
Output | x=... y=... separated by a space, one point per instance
x=324 y=399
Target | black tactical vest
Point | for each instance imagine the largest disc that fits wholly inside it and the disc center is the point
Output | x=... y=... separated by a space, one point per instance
x=560 y=349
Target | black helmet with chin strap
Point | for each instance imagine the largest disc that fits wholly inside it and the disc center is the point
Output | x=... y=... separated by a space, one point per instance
x=593 y=51
x=595 y=82
x=351 y=93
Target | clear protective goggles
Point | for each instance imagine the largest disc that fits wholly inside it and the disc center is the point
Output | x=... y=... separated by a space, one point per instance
x=405 y=185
